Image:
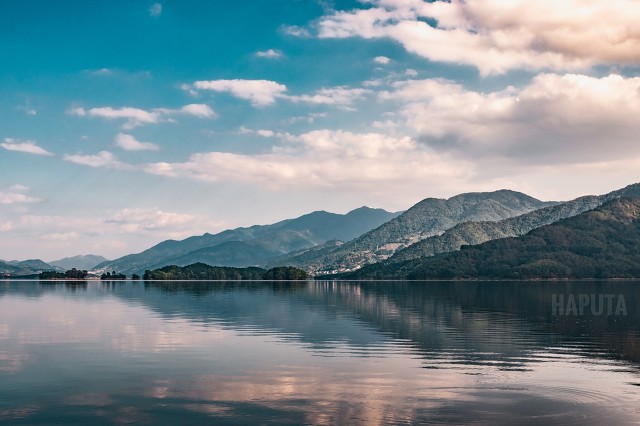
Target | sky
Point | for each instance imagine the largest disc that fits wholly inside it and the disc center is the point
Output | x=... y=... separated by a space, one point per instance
x=128 y=122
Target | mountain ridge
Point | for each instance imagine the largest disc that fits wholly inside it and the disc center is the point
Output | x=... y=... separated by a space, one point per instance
x=81 y=262
x=472 y=233
x=428 y=217
x=25 y=267
x=254 y=244
x=600 y=243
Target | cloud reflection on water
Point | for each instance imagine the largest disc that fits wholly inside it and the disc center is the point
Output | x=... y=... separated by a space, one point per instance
x=320 y=354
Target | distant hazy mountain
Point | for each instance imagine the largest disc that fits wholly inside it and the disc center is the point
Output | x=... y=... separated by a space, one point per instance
x=600 y=243
x=7 y=268
x=24 y=267
x=472 y=233
x=254 y=245
x=81 y=262
x=35 y=265
x=429 y=217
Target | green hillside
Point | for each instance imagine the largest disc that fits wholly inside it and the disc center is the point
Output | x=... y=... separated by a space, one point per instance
x=429 y=217
x=601 y=243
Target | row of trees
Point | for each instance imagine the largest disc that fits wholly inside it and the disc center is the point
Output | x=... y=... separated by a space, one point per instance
x=114 y=276
x=71 y=274
x=201 y=271
x=76 y=274
x=196 y=271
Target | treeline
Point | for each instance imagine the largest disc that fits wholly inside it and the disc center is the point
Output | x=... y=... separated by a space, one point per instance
x=76 y=274
x=71 y=274
x=109 y=276
x=201 y=271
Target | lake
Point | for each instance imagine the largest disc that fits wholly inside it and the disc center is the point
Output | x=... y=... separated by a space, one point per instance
x=191 y=353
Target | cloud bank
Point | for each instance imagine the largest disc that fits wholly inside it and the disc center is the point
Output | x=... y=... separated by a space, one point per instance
x=496 y=36
x=554 y=119
x=324 y=159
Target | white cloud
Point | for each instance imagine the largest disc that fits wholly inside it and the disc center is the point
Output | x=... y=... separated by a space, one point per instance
x=266 y=133
x=325 y=159
x=61 y=236
x=262 y=132
x=27 y=146
x=340 y=96
x=270 y=54
x=295 y=31
x=52 y=231
x=264 y=92
x=155 y=10
x=133 y=220
x=381 y=60
x=102 y=159
x=27 y=109
x=242 y=130
x=554 y=119
x=198 y=110
x=496 y=36
x=309 y=118
x=102 y=72
x=259 y=92
x=130 y=143
x=19 y=188
x=16 y=195
x=65 y=231
x=134 y=116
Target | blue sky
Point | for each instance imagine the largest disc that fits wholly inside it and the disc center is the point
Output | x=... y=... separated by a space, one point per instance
x=125 y=123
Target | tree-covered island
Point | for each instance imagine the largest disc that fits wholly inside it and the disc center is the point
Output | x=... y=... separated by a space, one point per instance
x=71 y=274
x=201 y=271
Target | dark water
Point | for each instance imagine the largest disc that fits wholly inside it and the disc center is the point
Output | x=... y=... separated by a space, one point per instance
x=319 y=353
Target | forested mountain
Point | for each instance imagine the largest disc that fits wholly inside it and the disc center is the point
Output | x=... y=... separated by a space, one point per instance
x=600 y=243
x=472 y=233
x=24 y=267
x=256 y=244
x=79 y=262
x=301 y=258
x=429 y=217
x=200 y=271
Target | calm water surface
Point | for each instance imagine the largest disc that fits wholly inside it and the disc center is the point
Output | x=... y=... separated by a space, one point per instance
x=317 y=353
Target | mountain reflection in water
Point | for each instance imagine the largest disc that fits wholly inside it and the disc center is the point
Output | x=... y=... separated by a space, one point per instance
x=316 y=353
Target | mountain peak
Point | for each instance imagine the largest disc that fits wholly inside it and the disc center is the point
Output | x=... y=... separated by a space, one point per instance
x=257 y=244
x=82 y=262
x=598 y=243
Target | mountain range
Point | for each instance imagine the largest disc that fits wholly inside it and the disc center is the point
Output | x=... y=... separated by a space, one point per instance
x=35 y=266
x=372 y=242
x=472 y=233
x=24 y=267
x=600 y=243
x=82 y=262
x=255 y=245
x=429 y=217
